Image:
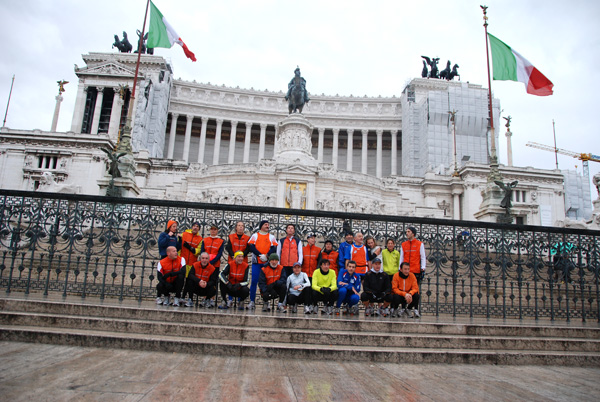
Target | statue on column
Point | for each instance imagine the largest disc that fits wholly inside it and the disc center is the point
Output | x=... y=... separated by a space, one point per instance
x=297 y=95
x=508 y=188
x=61 y=86
x=508 y=119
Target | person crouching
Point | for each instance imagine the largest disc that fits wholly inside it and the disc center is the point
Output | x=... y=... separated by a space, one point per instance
x=202 y=280
x=271 y=283
x=324 y=286
x=299 y=289
x=377 y=289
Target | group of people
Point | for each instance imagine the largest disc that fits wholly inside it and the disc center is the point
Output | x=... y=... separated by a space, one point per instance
x=290 y=272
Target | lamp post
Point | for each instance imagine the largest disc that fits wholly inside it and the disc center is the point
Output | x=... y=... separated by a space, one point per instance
x=453 y=121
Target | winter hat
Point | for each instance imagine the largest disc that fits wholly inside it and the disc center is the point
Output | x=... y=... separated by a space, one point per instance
x=413 y=229
x=273 y=256
x=196 y=223
x=238 y=253
x=261 y=224
x=170 y=223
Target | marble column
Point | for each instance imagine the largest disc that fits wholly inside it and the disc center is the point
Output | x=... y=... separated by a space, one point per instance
x=217 y=147
x=202 y=143
x=232 y=136
x=394 y=152
x=349 y=150
x=188 y=138
x=320 y=146
x=79 y=108
x=172 y=135
x=378 y=171
x=456 y=205
x=334 y=152
x=59 y=99
x=509 y=147
x=115 y=115
x=247 y=142
x=363 y=162
x=261 y=146
x=97 y=110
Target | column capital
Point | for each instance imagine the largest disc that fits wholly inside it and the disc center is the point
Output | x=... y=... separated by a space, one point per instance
x=336 y=131
x=204 y=120
x=263 y=126
x=365 y=131
x=394 y=132
x=234 y=123
x=100 y=89
x=350 y=131
x=321 y=130
x=220 y=121
x=189 y=117
x=248 y=124
x=174 y=115
x=379 y=132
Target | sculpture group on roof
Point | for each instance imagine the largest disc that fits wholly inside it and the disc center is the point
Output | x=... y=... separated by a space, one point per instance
x=125 y=46
x=447 y=73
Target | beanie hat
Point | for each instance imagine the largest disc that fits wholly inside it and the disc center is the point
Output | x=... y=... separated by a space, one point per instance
x=196 y=223
x=262 y=223
x=238 y=253
x=413 y=229
x=273 y=256
x=170 y=223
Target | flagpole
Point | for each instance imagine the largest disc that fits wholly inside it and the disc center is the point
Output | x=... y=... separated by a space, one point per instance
x=8 y=103
x=494 y=171
x=555 y=149
x=124 y=142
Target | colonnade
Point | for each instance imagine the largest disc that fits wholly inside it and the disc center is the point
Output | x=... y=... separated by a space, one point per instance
x=94 y=127
x=320 y=154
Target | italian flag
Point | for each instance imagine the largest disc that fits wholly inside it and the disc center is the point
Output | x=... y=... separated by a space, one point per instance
x=511 y=66
x=162 y=34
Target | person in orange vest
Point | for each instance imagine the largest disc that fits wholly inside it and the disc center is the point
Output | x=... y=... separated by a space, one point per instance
x=214 y=246
x=358 y=252
x=405 y=292
x=272 y=283
x=330 y=254
x=413 y=252
x=238 y=241
x=310 y=255
x=261 y=245
x=289 y=249
x=190 y=245
x=202 y=280
x=170 y=276
x=234 y=281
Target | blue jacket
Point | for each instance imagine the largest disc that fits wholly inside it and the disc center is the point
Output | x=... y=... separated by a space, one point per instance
x=164 y=241
x=352 y=281
x=342 y=250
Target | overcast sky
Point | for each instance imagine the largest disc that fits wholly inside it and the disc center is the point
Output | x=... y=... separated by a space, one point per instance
x=342 y=47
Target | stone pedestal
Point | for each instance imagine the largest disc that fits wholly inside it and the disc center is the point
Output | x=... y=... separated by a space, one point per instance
x=59 y=99
x=121 y=187
x=489 y=210
x=293 y=143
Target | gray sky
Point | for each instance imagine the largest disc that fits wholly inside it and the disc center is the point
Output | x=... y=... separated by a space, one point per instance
x=343 y=47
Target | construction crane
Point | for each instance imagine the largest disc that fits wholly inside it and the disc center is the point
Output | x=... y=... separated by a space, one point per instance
x=584 y=158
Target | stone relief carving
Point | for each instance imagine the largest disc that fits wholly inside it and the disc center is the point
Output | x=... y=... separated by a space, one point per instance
x=49 y=184
x=266 y=166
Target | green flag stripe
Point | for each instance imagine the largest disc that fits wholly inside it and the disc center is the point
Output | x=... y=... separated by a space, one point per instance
x=503 y=60
x=157 y=31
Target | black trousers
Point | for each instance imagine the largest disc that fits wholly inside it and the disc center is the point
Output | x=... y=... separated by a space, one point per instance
x=303 y=298
x=191 y=287
x=165 y=288
x=400 y=300
x=273 y=292
x=226 y=289
x=327 y=299
x=373 y=298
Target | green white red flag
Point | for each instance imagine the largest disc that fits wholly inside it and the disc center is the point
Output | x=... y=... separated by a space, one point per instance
x=511 y=66
x=162 y=34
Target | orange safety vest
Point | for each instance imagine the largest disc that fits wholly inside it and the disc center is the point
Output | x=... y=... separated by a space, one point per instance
x=411 y=250
x=273 y=275
x=332 y=256
x=289 y=251
x=237 y=272
x=212 y=246
x=203 y=273
x=263 y=242
x=359 y=254
x=237 y=244
x=168 y=265
x=194 y=241
x=309 y=259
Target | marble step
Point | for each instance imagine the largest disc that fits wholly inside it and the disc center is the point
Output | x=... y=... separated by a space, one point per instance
x=380 y=325
x=282 y=350
x=305 y=336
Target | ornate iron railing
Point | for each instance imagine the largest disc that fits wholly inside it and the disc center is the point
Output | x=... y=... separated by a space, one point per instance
x=106 y=247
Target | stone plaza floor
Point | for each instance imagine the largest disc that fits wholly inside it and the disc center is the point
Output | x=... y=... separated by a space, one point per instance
x=34 y=372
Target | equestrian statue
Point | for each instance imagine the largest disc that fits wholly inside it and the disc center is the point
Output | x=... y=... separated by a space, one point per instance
x=297 y=96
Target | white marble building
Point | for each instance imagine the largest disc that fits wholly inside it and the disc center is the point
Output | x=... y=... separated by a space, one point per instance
x=201 y=142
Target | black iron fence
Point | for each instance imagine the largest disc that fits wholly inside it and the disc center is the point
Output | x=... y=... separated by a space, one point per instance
x=106 y=247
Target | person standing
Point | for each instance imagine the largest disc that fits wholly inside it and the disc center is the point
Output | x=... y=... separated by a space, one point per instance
x=261 y=245
x=310 y=255
x=343 y=249
x=373 y=249
x=330 y=254
x=358 y=252
x=170 y=276
x=190 y=245
x=391 y=258
x=168 y=238
x=413 y=252
x=289 y=249
x=214 y=246
x=238 y=241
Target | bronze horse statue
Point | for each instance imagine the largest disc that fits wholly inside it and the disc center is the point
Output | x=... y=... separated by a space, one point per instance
x=124 y=45
x=445 y=73
x=297 y=95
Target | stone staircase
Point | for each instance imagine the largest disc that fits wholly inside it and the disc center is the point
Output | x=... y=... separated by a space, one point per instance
x=285 y=336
